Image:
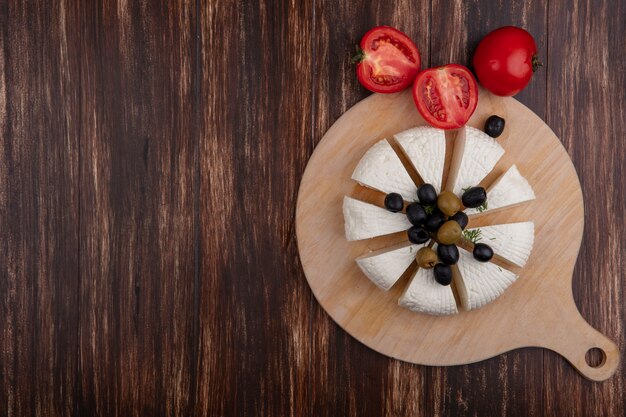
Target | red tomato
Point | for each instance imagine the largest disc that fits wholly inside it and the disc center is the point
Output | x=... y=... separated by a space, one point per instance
x=388 y=60
x=505 y=60
x=447 y=96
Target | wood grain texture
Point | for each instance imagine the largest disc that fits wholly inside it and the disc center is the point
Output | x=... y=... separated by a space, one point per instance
x=38 y=211
x=586 y=107
x=139 y=137
x=255 y=124
x=137 y=189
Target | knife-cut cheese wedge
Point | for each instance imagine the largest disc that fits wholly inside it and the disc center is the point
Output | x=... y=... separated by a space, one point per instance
x=426 y=149
x=508 y=190
x=384 y=267
x=381 y=169
x=513 y=241
x=475 y=155
x=425 y=295
x=480 y=283
x=365 y=220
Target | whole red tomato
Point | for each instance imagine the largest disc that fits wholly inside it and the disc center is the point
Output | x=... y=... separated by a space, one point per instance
x=388 y=60
x=505 y=60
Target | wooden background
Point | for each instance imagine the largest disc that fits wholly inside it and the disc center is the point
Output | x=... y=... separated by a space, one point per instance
x=150 y=159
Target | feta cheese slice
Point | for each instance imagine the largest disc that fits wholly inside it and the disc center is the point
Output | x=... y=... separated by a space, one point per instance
x=381 y=169
x=475 y=155
x=513 y=241
x=425 y=295
x=365 y=220
x=480 y=283
x=384 y=267
x=426 y=149
x=510 y=189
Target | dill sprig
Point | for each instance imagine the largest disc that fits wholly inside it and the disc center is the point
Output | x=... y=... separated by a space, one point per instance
x=473 y=235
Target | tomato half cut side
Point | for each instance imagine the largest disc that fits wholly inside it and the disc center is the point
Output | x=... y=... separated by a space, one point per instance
x=446 y=96
x=388 y=60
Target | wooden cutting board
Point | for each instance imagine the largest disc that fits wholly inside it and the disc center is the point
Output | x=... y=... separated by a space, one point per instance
x=537 y=310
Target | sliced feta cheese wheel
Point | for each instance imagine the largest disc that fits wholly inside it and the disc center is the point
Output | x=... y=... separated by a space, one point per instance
x=425 y=295
x=480 y=283
x=381 y=169
x=475 y=155
x=426 y=149
x=365 y=220
x=513 y=241
x=510 y=189
x=384 y=267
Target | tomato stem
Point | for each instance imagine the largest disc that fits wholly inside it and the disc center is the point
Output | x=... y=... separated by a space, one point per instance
x=360 y=55
x=536 y=63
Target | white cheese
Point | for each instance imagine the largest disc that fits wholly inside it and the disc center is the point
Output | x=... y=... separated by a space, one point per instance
x=513 y=241
x=425 y=295
x=426 y=149
x=364 y=220
x=384 y=267
x=475 y=155
x=510 y=189
x=480 y=283
x=381 y=169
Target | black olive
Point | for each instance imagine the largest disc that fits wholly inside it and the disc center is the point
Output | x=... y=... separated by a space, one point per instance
x=427 y=194
x=474 y=197
x=461 y=219
x=394 y=202
x=417 y=235
x=448 y=254
x=434 y=221
x=482 y=252
x=443 y=274
x=416 y=214
x=494 y=126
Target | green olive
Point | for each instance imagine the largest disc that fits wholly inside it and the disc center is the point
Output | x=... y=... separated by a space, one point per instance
x=426 y=258
x=449 y=233
x=448 y=203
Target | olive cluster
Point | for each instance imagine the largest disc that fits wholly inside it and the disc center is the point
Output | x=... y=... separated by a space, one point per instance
x=440 y=217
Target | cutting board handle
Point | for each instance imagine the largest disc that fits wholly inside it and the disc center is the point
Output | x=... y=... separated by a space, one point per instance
x=574 y=338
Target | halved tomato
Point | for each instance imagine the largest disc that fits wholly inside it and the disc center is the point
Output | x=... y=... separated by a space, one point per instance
x=388 y=60
x=446 y=96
